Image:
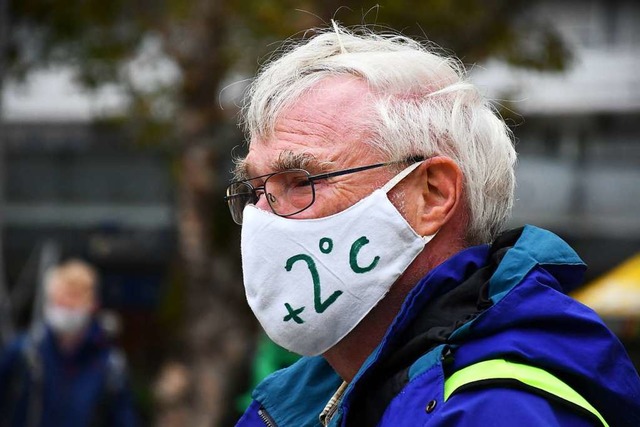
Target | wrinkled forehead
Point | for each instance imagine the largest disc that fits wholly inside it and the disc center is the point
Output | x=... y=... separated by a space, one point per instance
x=315 y=130
x=320 y=92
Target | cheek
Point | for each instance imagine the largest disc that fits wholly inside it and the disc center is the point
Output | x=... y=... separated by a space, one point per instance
x=328 y=201
x=83 y=301
x=399 y=200
x=336 y=198
x=405 y=203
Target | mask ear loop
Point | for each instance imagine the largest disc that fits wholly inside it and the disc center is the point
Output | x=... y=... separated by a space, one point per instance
x=399 y=177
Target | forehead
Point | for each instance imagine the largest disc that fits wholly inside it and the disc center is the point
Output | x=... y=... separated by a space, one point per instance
x=70 y=293
x=328 y=124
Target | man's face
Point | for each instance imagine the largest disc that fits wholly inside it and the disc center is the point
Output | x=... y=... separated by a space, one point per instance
x=64 y=296
x=325 y=126
x=68 y=309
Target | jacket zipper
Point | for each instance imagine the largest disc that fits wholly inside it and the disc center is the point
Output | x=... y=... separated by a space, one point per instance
x=266 y=418
x=332 y=406
x=325 y=418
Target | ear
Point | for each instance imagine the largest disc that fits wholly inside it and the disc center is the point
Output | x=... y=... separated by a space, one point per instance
x=436 y=188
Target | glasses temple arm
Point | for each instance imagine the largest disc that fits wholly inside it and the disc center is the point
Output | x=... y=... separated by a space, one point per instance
x=346 y=171
x=363 y=168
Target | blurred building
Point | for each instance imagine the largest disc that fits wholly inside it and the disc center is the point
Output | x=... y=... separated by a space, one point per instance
x=578 y=139
x=578 y=132
x=89 y=190
x=76 y=187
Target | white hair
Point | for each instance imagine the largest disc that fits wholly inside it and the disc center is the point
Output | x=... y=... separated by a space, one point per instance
x=423 y=104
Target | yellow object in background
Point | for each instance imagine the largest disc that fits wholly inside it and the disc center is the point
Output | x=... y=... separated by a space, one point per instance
x=616 y=293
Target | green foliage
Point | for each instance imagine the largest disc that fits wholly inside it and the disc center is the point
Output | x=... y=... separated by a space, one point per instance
x=208 y=41
x=98 y=36
x=89 y=34
x=472 y=29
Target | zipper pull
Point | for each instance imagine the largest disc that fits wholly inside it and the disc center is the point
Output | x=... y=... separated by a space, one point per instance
x=266 y=418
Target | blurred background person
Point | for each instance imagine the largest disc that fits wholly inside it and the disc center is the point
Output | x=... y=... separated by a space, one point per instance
x=64 y=371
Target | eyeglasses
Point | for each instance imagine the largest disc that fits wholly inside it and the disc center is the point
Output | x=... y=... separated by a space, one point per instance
x=288 y=192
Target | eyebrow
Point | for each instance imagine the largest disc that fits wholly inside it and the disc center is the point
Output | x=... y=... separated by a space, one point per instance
x=290 y=160
x=239 y=169
x=286 y=160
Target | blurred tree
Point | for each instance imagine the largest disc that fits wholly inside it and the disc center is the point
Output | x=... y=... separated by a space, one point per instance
x=173 y=57
x=6 y=323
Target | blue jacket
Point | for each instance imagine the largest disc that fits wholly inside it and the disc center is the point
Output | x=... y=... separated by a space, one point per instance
x=86 y=388
x=504 y=301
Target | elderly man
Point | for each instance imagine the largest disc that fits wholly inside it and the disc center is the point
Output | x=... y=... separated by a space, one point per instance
x=64 y=372
x=372 y=200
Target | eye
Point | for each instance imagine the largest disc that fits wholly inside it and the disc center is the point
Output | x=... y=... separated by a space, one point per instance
x=301 y=182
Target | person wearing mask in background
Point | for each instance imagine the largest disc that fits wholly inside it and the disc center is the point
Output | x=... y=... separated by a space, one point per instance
x=372 y=203
x=64 y=372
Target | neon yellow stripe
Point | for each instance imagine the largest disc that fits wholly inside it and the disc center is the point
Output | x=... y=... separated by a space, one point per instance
x=529 y=375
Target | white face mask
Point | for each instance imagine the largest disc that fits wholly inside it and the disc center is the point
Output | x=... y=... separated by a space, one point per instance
x=311 y=281
x=65 y=320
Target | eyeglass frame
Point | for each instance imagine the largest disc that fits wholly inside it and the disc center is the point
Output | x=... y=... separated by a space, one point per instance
x=311 y=178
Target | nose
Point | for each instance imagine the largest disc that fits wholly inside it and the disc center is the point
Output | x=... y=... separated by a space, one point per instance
x=262 y=203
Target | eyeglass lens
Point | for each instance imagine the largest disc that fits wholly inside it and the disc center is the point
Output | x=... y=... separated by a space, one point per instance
x=287 y=192
x=239 y=195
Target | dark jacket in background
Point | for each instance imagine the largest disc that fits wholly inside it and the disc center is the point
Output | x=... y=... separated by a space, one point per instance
x=41 y=387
